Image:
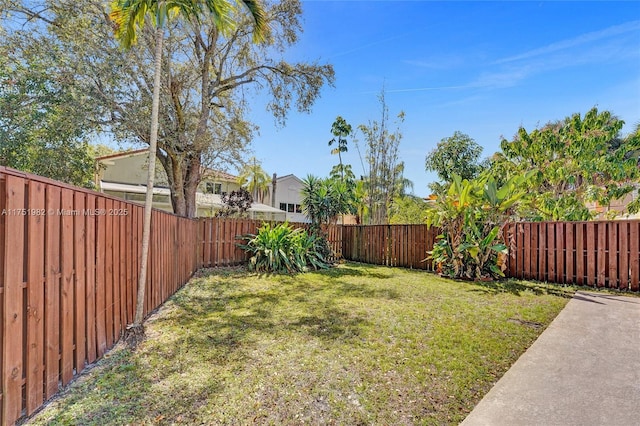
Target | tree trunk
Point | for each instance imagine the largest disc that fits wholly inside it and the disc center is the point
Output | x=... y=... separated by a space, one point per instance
x=192 y=179
x=136 y=330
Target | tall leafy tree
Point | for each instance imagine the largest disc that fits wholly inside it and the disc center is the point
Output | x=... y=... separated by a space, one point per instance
x=340 y=129
x=129 y=17
x=40 y=129
x=384 y=180
x=457 y=155
x=576 y=160
x=206 y=85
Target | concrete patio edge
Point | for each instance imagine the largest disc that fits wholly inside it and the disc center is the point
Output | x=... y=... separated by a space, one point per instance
x=584 y=369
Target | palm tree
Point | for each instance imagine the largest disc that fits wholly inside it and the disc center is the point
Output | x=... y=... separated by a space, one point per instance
x=340 y=130
x=128 y=17
x=255 y=179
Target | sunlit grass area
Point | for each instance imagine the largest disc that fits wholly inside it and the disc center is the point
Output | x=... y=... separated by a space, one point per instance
x=357 y=344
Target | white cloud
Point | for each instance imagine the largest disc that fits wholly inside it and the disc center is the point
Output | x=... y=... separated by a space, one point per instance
x=615 y=30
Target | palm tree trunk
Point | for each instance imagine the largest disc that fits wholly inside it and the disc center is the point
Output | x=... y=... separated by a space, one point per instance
x=137 y=327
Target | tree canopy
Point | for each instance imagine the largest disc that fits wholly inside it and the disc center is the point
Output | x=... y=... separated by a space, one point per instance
x=576 y=160
x=457 y=155
x=206 y=76
x=41 y=130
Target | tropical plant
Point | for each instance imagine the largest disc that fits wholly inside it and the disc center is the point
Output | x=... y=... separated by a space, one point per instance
x=578 y=160
x=471 y=215
x=340 y=130
x=129 y=17
x=323 y=200
x=254 y=179
x=283 y=249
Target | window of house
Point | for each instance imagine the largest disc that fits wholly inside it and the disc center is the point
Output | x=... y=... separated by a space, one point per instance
x=283 y=207
x=298 y=208
x=290 y=208
x=212 y=188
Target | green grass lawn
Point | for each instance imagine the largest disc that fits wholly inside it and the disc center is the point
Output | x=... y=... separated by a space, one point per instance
x=358 y=344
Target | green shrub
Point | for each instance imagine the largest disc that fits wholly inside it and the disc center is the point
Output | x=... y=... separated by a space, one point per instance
x=282 y=249
x=471 y=214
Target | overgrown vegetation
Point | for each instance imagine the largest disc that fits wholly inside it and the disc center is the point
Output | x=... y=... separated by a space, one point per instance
x=283 y=249
x=575 y=161
x=471 y=215
x=351 y=345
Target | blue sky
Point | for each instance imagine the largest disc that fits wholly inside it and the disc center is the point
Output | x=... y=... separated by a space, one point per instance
x=482 y=68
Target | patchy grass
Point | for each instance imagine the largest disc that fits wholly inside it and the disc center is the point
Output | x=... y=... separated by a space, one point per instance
x=358 y=344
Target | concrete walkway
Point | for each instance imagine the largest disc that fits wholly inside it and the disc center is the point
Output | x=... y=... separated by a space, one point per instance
x=584 y=369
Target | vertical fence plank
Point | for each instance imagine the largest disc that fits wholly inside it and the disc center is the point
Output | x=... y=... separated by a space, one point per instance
x=116 y=268
x=601 y=254
x=544 y=271
x=580 y=254
x=560 y=253
x=591 y=254
x=570 y=253
x=35 y=296
x=526 y=272
x=79 y=284
x=535 y=251
x=512 y=242
x=90 y=277
x=100 y=287
x=612 y=272
x=551 y=252
x=623 y=241
x=108 y=281
x=12 y=322
x=3 y=205
x=634 y=255
x=52 y=291
x=66 y=293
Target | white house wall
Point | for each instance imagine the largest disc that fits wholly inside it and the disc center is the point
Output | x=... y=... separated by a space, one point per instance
x=288 y=192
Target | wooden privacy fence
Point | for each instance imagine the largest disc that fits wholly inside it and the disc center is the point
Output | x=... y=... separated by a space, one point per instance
x=69 y=262
x=392 y=245
x=596 y=254
x=68 y=281
x=218 y=238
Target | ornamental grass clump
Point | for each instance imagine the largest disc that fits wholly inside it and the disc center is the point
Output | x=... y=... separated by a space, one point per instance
x=282 y=249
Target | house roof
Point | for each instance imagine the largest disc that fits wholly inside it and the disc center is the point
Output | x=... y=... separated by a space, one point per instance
x=222 y=175
x=127 y=187
x=289 y=176
x=216 y=173
x=123 y=154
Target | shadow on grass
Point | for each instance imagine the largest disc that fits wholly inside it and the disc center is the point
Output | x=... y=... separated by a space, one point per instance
x=516 y=288
x=225 y=313
x=358 y=270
